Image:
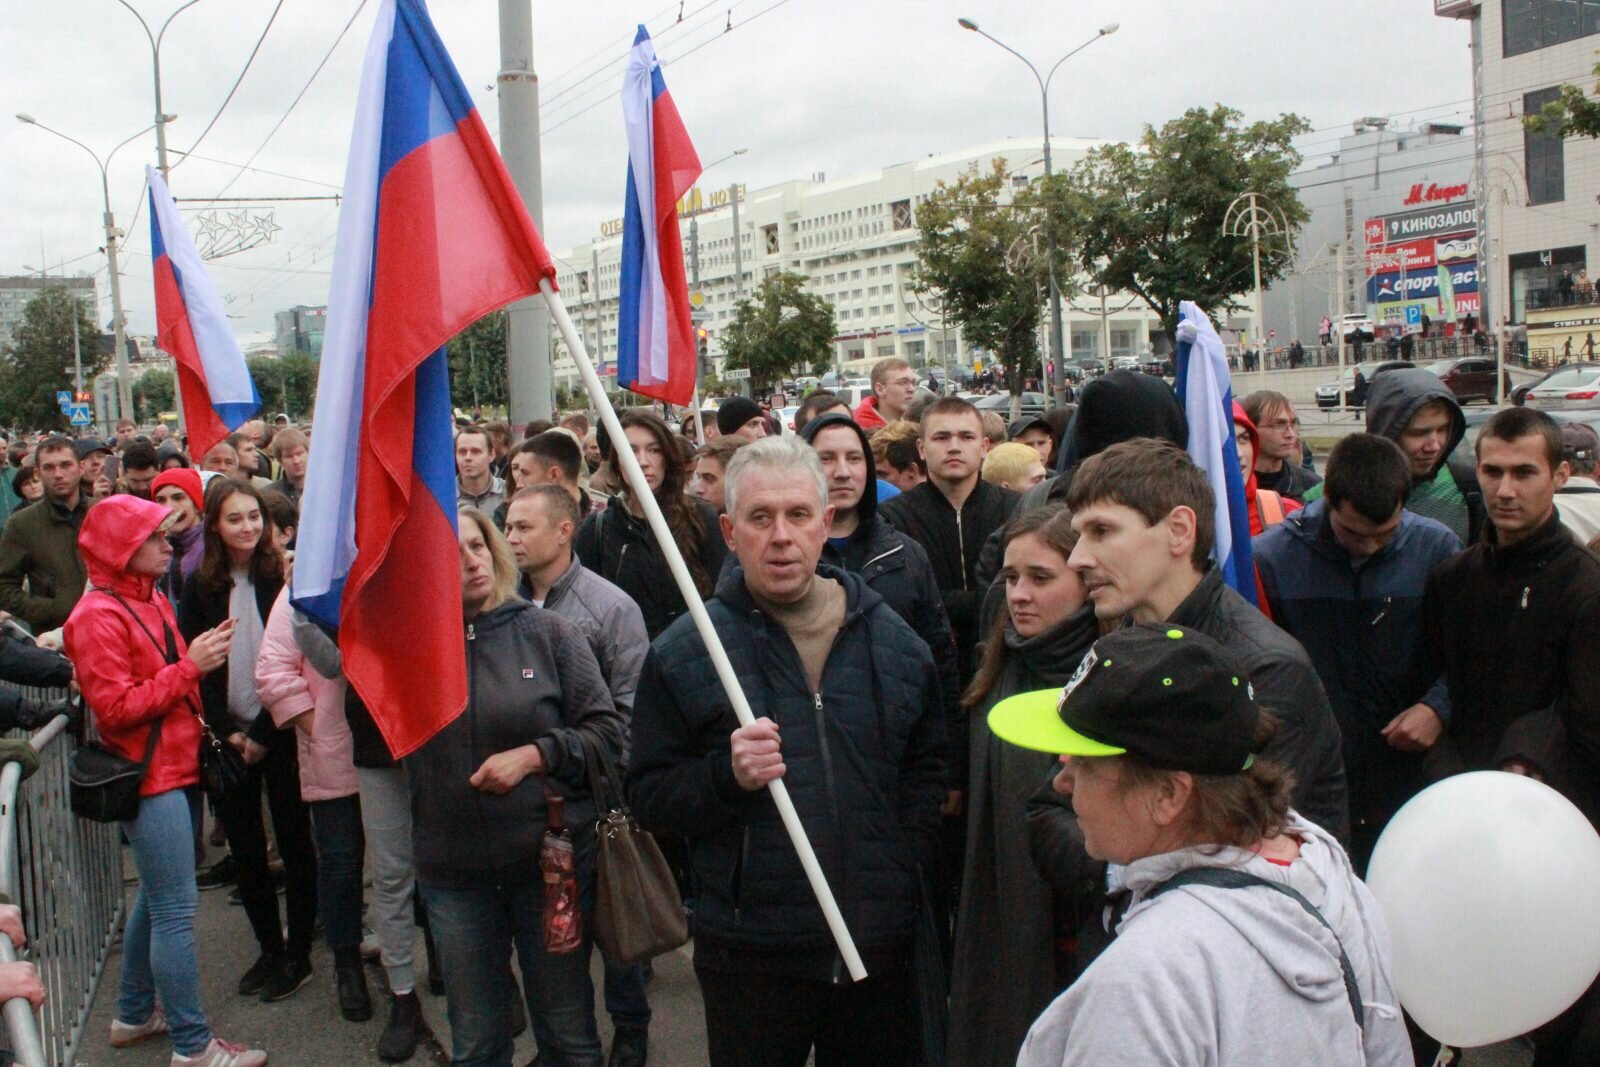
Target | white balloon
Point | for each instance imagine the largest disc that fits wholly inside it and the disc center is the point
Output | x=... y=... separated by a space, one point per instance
x=1488 y=882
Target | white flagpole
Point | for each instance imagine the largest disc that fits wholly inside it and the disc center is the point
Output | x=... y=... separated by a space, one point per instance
x=699 y=421
x=691 y=596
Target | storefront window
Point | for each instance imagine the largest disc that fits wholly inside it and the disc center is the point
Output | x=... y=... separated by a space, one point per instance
x=1536 y=278
x=1528 y=25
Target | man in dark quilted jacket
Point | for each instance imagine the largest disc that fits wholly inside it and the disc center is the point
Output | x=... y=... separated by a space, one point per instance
x=850 y=715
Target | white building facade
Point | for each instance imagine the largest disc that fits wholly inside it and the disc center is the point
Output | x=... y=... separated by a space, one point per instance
x=855 y=240
x=1539 y=193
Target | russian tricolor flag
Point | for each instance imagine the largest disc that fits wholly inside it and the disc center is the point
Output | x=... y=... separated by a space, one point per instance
x=432 y=236
x=191 y=326
x=1205 y=389
x=655 y=335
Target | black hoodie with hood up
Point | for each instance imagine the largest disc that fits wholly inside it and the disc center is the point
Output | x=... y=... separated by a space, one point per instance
x=897 y=568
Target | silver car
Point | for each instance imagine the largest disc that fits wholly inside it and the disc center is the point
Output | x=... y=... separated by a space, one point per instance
x=1573 y=389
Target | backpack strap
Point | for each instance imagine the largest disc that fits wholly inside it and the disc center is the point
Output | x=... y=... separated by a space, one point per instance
x=1229 y=878
x=1270 y=505
x=1466 y=478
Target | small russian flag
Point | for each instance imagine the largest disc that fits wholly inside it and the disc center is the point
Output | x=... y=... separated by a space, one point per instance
x=1205 y=389
x=655 y=334
x=191 y=325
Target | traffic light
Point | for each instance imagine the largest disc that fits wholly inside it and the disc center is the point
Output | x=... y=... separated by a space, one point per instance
x=701 y=335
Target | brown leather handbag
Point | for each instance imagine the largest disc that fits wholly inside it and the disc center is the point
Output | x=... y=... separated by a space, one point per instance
x=638 y=913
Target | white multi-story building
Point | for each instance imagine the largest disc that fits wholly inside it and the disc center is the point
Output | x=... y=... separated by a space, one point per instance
x=1538 y=192
x=18 y=290
x=855 y=240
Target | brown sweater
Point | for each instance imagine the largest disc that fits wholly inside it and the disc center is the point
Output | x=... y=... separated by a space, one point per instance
x=812 y=622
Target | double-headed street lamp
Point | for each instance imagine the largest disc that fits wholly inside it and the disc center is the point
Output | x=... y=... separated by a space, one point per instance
x=155 y=59
x=124 y=382
x=1057 y=356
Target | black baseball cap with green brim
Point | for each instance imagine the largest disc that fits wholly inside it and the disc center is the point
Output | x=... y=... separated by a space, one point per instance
x=1167 y=695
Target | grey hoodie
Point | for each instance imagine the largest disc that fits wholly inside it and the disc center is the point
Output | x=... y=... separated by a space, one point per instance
x=1397 y=395
x=1209 y=977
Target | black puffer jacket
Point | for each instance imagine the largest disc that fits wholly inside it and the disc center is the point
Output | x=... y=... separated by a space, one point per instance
x=953 y=540
x=622 y=550
x=24 y=663
x=1523 y=676
x=897 y=569
x=531 y=679
x=1308 y=741
x=865 y=769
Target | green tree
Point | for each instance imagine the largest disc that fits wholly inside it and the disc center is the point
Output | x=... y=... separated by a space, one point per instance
x=784 y=330
x=153 y=393
x=982 y=252
x=38 y=361
x=285 y=383
x=1149 y=217
x=478 y=377
x=1573 y=114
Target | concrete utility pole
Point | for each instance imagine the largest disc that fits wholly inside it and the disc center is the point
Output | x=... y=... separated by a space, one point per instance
x=528 y=326
x=1338 y=323
x=738 y=245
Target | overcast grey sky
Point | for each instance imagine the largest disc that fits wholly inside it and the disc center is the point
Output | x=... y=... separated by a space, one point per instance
x=840 y=86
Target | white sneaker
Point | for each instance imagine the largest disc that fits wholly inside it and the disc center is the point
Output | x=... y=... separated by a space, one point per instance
x=125 y=1034
x=222 y=1053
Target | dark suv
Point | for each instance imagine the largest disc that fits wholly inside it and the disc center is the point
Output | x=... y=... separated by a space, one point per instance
x=1469 y=378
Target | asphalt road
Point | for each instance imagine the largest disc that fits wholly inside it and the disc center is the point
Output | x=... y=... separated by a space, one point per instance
x=307 y=1030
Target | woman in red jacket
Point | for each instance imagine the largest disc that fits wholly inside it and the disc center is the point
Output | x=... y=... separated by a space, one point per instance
x=136 y=674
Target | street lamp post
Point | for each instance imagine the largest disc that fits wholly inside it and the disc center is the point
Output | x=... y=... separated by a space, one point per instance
x=1058 y=376
x=124 y=379
x=155 y=59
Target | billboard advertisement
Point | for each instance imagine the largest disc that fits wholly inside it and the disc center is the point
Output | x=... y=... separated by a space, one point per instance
x=1391 y=286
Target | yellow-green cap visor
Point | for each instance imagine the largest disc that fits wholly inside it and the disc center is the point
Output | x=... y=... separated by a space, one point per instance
x=1030 y=720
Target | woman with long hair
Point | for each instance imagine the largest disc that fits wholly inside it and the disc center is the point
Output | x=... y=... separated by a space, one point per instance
x=484 y=792
x=139 y=675
x=619 y=545
x=1003 y=971
x=240 y=575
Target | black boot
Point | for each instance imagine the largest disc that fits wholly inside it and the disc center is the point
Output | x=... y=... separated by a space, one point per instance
x=404 y=1030
x=630 y=1047
x=354 y=1000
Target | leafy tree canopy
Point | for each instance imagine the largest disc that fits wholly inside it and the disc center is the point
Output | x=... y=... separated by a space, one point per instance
x=38 y=361
x=1149 y=218
x=783 y=331
x=1574 y=113
x=982 y=252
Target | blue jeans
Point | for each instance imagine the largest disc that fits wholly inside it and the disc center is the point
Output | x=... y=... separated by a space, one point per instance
x=626 y=1001
x=474 y=931
x=158 y=941
x=336 y=826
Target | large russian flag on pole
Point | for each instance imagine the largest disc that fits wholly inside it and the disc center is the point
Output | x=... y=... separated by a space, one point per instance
x=655 y=335
x=218 y=394
x=432 y=236
x=1206 y=391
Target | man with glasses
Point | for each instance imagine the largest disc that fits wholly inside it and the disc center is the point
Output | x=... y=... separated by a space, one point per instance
x=894 y=386
x=1279 y=463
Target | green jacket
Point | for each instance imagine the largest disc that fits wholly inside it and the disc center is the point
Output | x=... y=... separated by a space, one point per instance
x=41 y=573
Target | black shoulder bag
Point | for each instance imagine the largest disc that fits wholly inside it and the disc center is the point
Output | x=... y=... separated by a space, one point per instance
x=103 y=786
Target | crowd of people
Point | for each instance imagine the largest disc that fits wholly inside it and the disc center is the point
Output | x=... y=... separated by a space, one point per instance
x=1079 y=801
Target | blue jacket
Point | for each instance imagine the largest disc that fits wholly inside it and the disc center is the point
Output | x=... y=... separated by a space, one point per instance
x=864 y=762
x=1362 y=628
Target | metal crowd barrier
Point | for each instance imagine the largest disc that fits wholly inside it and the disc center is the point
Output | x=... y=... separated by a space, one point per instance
x=66 y=875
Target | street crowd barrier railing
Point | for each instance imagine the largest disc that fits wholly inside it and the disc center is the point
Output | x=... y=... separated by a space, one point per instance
x=66 y=875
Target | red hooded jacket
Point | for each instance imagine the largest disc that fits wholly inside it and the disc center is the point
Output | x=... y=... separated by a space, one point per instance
x=122 y=671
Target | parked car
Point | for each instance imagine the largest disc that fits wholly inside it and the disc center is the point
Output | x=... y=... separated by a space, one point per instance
x=1569 y=389
x=1357 y=380
x=1032 y=403
x=1124 y=362
x=1519 y=395
x=1469 y=378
